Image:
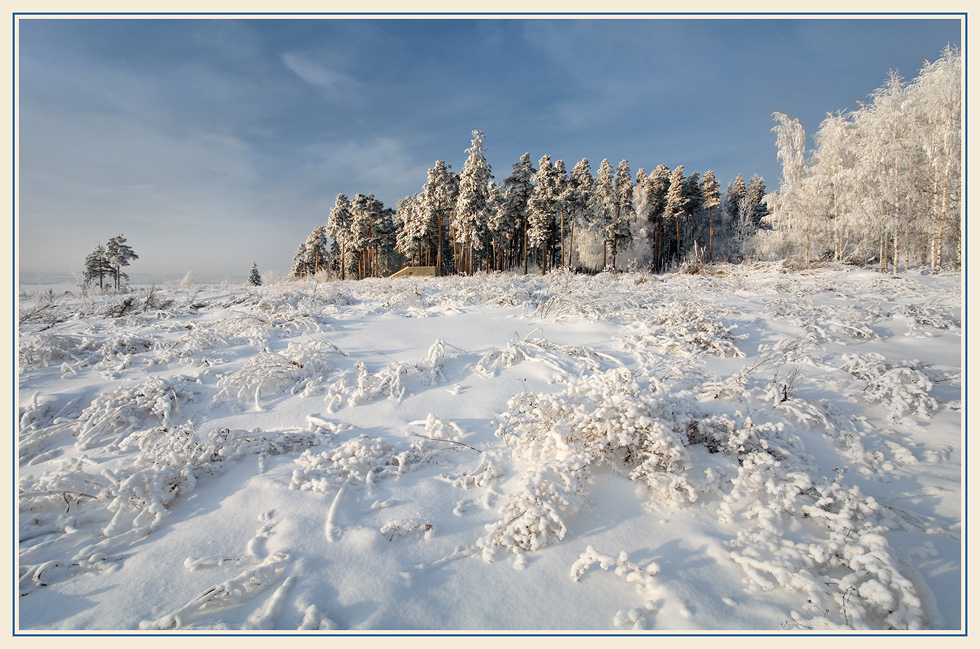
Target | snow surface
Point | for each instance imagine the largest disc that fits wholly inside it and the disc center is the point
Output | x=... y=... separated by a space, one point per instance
x=753 y=448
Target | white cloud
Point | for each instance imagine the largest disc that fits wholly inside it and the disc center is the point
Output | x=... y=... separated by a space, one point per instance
x=315 y=74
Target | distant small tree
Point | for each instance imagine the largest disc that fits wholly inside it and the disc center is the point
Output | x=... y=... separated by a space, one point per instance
x=119 y=254
x=253 y=277
x=97 y=266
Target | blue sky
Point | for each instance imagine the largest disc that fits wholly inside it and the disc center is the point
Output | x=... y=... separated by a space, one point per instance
x=212 y=143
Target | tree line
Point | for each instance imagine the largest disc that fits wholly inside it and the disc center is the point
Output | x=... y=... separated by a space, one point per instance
x=538 y=218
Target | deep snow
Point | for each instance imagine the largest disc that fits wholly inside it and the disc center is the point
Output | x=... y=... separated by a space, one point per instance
x=754 y=448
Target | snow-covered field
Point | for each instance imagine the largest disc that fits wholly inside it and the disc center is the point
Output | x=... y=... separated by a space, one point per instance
x=754 y=448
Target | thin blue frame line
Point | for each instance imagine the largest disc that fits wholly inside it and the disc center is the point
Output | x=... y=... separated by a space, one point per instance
x=495 y=13
x=965 y=572
x=13 y=311
x=965 y=607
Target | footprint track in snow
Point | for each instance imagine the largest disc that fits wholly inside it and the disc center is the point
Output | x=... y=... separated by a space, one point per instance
x=257 y=545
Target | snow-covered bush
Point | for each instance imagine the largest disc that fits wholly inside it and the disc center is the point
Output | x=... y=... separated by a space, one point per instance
x=357 y=461
x=903 y=389
x=113 y=415
x=685 y=328
x=301 y=369
x=602 y=419
x=359 y=385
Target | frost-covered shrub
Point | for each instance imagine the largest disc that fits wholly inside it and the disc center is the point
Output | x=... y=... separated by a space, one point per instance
x=600 y=419
x=822 y=321
x=113 y=415
x=534 y=516
x=821 y=538
x=44 y=348
x=927 y=317
x=684 y=328
x=390 y=382
x=562 y=357
x=771 y=358
x=903 y=389
x=301 y=369
x=357 y=461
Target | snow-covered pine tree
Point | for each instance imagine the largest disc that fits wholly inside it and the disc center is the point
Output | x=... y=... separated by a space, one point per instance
x=97 y=266
x=620 y=233
x=414 y=235
x=472 y=214
x=711 y=198
x=604 y=205
x=366 y=212
x=517 y=189
x=543 y=208
x=438 y=200
x=387 y=258
x=253 y=277
x=119 y=254
x=757 y=203
x=675 y=208
x=338 y=228
x=655 y=202
x=311 y=256
x=692 y=212
x=563 y=191
x=578 y=199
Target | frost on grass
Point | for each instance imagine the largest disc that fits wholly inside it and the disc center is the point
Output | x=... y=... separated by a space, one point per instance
x=301 y=369
x=113 y=415
x=603 y=419
x=685 y=328
x=114 y=507
x=359 y=385
x=113 y=437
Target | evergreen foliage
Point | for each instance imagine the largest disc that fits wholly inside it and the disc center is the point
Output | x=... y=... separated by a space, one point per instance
x=253 y=277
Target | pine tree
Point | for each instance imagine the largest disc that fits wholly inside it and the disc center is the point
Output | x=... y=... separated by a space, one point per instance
x=736 y=205
x=604 y=205
x=472 y=214
x=311 y=256
x=119 y=254
x=757 y=205
x=694 y=203
x=543 y=208
x=253 y=277
x=655 y=202
x=338 y=228
x=578 y=197
x=675 y=207
x=513 y=211
x=438 y=200
x=711 y=198
x=620 y=233
x=97 y=266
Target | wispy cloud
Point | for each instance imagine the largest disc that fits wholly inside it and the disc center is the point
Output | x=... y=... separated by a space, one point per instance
x=315 y=74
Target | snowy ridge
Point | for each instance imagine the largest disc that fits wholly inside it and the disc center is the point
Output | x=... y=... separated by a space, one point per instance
x=755 y=448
